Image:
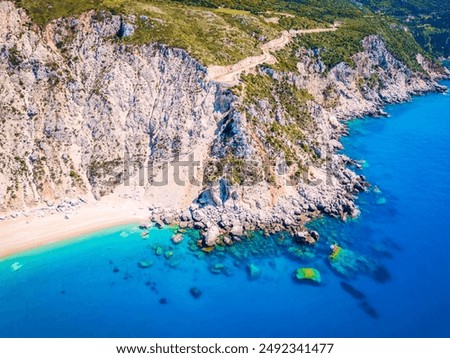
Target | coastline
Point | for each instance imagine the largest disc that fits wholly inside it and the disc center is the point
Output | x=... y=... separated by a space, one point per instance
x=219 y=212
x=26 y=233
x=31 y=232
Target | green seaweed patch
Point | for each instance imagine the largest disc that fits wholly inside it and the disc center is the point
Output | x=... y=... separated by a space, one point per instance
x=308 y=274
x=168 y=254
x=335 y=252
x=348 y=263
x=301 y=253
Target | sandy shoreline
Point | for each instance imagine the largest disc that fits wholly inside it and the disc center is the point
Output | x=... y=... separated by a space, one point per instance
x=27 y=233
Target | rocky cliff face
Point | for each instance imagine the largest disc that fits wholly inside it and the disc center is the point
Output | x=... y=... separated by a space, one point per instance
x=82 y=113
x=75 y=100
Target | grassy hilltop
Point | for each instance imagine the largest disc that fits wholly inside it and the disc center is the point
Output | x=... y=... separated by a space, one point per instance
x=226 y=31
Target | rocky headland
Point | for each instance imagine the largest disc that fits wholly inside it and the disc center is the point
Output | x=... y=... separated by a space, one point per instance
x=86 y=117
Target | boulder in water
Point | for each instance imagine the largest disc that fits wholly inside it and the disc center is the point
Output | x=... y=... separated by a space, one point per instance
x=195 y=292
x=177 y=238
x=306 y=237
x=212 y=235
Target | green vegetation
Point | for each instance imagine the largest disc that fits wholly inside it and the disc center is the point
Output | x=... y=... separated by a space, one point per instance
x=341 y=45
x=225 y=31
x=207 y=35
x=429 y=20
x=213 y=35
x=15 y=59
x=284 y=136
x=236 y=170
x=308 y=274
x=43 y=11
x=278 y=92
x=287 y=101
x=316 y=10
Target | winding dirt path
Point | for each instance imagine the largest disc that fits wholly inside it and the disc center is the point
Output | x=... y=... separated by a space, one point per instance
x=229 y=75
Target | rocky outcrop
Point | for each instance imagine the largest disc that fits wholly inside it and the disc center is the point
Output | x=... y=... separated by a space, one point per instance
x=378 y=78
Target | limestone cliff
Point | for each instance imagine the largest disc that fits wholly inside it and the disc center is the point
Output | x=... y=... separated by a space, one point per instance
x=74 y=100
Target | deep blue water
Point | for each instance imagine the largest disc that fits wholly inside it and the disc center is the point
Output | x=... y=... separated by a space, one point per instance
x=399 y=287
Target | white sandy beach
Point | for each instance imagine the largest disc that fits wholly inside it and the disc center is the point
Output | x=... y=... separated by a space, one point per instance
x=26 y=233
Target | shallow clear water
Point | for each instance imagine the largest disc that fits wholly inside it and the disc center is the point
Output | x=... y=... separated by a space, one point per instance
x=93 y=287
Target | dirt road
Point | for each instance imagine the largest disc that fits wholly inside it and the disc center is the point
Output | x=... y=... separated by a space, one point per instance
x=229 y=75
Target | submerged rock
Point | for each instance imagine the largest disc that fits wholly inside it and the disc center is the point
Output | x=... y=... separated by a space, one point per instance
x=145 y=264
x=159 y=251
x=347 y=262
x=177 y=238
x=195 y=292
x=381 y=201
x=306 y=237
x=301 y=253
x=308 y=274
x=217 y=268
x=254 y=272
x=163 y=301
x=16 y=266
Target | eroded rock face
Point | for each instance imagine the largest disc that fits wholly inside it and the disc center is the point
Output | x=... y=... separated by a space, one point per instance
x=80 y=113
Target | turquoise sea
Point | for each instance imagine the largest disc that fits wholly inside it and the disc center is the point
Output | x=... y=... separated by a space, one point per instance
x=391 y=278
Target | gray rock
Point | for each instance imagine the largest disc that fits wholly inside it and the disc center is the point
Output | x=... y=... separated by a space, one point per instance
x=199 y=215
x=125 y=30
x=212 y=235
x=215 y=196
x=237 y=229
x=176 y=239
